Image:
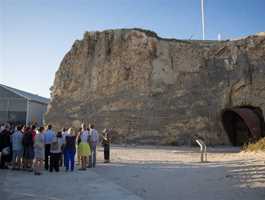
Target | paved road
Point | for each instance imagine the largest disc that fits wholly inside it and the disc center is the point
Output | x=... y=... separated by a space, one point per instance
x=167 y=174
x=60 y=186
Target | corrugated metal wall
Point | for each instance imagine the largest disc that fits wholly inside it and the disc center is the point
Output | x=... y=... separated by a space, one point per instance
x=36 y=112
x=13 y=108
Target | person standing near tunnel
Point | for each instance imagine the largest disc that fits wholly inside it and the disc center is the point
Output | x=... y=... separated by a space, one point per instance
x=106 y=144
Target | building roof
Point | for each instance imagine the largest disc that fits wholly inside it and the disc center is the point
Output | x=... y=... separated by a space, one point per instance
x=27 y=95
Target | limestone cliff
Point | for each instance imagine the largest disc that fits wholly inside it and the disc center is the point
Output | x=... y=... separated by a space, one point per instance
x=155 y=90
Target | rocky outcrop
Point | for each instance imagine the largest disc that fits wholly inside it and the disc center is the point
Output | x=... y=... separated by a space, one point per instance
x=155 y=90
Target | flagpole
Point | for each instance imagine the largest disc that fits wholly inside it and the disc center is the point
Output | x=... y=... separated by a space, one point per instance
x=203 y=27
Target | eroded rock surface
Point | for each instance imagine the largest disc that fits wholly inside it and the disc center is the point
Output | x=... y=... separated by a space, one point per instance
x=155 y=90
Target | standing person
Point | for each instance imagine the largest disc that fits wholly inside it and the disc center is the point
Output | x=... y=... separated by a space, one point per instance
x=94 y=141
x=70 y=141
x=39 y=151
x=23 y=160
x=56 y=152
x=60 y=135
x=48 y=138
x=78 y=142
x=106 y=144
x=28 y=143
x=12 y=129
x=33 y=131
x=83 y=147
x=64 y=134
x=2 y=127
x=5 y=146
x=90 y=146
x=17 y=148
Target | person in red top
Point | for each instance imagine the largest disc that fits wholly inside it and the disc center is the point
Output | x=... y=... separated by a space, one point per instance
x=33 y=131
x=28 y=143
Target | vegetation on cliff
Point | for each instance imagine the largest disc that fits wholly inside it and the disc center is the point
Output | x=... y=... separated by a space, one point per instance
x=256 y=146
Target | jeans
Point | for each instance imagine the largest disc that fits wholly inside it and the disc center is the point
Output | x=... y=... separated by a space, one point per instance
x=17 y=154
x=69 y=157
x=93 y=157
x=47 y=154
x=64 y=157
x=106 y=152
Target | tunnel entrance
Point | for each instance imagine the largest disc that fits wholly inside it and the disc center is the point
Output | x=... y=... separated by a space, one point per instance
x=243 y=124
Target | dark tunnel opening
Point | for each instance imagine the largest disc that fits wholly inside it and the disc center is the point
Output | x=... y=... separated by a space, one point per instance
x=243 y=124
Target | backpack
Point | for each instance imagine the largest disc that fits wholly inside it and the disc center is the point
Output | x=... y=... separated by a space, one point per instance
x=55 y=145
x=27 y=139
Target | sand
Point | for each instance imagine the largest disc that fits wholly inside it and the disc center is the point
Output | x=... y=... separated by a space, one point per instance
x=149 y=173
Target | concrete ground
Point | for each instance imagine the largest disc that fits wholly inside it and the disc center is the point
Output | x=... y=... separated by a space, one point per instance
x=147 y=173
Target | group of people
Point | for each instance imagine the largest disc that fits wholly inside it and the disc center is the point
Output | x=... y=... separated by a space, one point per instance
x=26 y=148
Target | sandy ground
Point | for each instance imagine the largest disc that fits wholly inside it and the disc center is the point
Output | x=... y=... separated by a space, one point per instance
x=155 y=173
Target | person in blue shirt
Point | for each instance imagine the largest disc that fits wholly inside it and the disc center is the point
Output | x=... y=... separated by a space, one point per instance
x=17 y=147
x=48 y=139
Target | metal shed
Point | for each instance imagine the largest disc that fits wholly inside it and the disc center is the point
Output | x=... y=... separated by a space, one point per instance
x=20 y=107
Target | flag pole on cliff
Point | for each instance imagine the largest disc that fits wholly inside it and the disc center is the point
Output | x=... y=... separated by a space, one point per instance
x=203 y=23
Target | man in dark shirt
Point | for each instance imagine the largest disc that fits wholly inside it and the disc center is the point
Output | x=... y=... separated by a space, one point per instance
x=106 y=144
x=70 y=142
x=5 y=147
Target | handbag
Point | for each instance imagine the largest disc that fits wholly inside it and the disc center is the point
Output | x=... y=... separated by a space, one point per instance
x=6 y=151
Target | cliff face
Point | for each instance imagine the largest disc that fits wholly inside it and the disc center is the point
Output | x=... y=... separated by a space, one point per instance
x=154 y=90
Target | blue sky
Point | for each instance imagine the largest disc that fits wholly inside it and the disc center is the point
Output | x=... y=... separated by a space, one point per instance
x=36 y=34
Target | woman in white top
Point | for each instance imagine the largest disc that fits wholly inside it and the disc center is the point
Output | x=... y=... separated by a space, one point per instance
x=83 y=147
x=56 y=152
x=39 y=151
x=64 y=134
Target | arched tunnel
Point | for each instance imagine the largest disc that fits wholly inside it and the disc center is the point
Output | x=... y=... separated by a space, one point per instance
x=243 y=124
